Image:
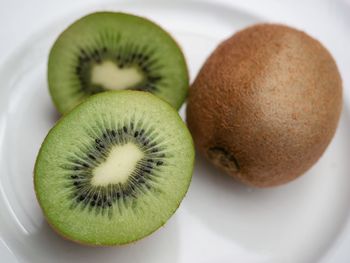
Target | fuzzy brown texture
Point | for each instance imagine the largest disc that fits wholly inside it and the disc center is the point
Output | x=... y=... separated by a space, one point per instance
x=266 y=104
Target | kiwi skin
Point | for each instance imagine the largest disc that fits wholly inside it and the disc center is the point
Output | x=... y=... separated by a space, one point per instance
x=266 y=104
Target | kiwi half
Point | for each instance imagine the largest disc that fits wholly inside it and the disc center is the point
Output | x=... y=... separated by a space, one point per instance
x=114 y=169
x=112 y=51
x=266 y=104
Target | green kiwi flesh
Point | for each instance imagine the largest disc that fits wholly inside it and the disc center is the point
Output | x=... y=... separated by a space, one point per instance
x=266 y=104
x=114 y=169
x=111 y=51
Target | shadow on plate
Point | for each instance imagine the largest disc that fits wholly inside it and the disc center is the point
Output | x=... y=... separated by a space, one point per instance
x=52 y=115
x=47 y=246
x=315 y=204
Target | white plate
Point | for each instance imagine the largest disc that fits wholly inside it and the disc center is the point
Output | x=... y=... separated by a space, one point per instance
x=219 y=220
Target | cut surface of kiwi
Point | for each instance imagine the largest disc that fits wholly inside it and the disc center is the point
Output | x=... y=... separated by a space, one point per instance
x=114 y=169
x=112 y=51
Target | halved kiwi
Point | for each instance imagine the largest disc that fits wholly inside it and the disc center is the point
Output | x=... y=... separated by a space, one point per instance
x=112 y=51
x=114 y=169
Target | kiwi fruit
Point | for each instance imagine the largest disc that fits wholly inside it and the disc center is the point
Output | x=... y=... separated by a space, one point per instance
x=266 y=104
x=114 y=169
x=112 y=51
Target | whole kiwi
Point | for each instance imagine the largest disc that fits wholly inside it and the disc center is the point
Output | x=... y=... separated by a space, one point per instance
x=266 y=104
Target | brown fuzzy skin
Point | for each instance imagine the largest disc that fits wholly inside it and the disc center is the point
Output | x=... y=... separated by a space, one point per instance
x=266 y=104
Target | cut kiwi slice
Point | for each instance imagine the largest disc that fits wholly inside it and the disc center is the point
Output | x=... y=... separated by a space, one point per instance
x=114 y=169
x=112 y=51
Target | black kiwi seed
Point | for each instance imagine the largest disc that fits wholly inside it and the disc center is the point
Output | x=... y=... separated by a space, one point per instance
x=126 y=192
x=154 y=79
x=141 y=181
x=147 y=171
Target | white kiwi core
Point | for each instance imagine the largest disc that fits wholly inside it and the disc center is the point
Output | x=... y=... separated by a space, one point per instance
x=119 y=165
x=110 y=76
